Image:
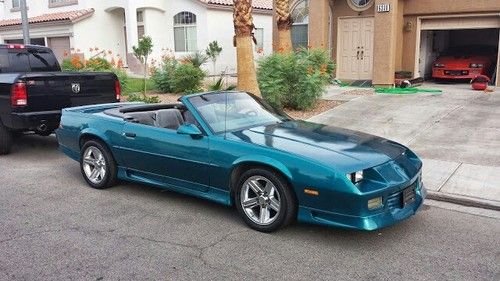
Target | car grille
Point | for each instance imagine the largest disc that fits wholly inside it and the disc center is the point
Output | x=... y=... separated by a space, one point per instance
x=397 y=200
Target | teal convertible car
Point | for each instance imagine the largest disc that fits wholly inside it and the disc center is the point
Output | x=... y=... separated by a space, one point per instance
x=232 y=148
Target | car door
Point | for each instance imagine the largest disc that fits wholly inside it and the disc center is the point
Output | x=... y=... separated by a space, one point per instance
x=161 y=155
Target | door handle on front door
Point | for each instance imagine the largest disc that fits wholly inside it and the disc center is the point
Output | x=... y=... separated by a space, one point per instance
x=362 y=54
x=130 y=135
x=357 y=55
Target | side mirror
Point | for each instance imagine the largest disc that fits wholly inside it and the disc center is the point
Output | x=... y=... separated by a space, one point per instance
x=189 y=129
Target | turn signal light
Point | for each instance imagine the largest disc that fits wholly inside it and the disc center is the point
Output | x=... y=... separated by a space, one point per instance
x=375 y=203
x=19 y=95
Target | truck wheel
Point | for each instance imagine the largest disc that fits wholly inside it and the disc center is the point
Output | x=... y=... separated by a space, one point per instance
x=97 y=165
x=5 y=140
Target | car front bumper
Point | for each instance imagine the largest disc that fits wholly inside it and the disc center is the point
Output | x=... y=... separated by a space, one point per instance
x=456 y=73
x=386 y=218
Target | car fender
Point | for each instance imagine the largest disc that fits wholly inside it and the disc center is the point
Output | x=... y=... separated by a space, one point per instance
x=91 y=132
x=264 y=160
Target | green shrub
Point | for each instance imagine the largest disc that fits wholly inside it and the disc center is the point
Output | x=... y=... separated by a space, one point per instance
x=197 y=59
x=294 y=80
x=133 y=97
x=162 y=77
x=219 y=86
x=187 y=79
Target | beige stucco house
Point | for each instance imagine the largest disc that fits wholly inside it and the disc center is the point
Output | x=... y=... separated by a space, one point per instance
x=372 y=39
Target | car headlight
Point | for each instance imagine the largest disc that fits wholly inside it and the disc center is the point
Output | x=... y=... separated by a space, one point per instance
x=439 y=65
x=355 y=177
x=476 y=65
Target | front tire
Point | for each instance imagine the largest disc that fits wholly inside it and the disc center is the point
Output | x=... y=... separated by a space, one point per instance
x=265 y=200
x=97 y=165
x=5 y=140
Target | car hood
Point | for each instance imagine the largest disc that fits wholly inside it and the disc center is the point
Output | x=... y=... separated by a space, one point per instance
x=345 y=150
x=464 y=61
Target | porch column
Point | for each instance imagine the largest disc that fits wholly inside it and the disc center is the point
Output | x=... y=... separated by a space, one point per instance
x=319 y=19
x=385 y=44
x=131 y=26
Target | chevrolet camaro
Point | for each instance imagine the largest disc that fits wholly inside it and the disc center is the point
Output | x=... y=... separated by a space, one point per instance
x=234 y=149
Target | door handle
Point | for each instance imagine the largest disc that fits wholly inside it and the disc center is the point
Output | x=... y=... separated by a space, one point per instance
x=130 y=135
x=362 y=54
x=357 y=55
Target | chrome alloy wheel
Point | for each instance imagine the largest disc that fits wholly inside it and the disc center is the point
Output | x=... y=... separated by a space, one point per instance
x=260 y=200
x=94 y=165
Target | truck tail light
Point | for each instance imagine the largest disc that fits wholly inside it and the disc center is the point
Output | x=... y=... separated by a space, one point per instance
x=118 y=90
x=19 y=95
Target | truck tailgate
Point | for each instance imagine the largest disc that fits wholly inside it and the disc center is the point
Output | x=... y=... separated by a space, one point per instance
x=58 y=90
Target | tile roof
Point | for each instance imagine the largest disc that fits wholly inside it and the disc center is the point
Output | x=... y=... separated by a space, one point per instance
x=257 y=4
x=72 y=16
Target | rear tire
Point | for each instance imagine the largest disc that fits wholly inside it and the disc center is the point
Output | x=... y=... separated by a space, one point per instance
x=5 y=140
x=265 y=200
x=97 y=165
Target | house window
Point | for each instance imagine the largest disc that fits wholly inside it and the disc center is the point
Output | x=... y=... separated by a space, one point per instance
x=259 y=36
x=185 y=32
x=15 y=4
x=360 y=5
x=300 y=27
x=140 y=24
x=60 y=3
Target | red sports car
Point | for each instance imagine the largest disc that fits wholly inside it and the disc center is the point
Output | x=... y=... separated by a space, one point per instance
x=465 y=62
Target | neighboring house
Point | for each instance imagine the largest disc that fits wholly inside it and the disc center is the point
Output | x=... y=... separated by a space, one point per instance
x=183 y=26
x=372 y=39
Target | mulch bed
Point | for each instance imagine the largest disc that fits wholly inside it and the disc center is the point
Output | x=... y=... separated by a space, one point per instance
x=321 y=105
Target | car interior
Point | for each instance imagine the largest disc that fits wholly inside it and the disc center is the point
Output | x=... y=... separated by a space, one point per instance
x=168 y=116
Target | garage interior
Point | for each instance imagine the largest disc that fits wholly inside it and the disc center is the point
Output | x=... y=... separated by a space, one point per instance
x=433 y=43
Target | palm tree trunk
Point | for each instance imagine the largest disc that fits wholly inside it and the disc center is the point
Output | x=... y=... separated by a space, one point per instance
x=243 y=27
x=284 y=21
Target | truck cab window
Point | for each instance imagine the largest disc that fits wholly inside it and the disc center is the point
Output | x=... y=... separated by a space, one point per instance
x=43 y=61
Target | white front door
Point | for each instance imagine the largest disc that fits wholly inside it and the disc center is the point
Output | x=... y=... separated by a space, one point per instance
x=355 y=48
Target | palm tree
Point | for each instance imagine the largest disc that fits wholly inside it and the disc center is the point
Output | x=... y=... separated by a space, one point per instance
x=243 y=40
x=284 y=20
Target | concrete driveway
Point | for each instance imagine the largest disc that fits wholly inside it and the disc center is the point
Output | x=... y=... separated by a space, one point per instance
x=457 y=133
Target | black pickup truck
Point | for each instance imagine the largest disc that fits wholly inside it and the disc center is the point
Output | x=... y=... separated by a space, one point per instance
x=33 y=90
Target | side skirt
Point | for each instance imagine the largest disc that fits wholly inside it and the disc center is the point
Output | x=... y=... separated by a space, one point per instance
x=213 y=194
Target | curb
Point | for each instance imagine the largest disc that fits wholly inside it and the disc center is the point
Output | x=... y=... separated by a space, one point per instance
x=463 y=200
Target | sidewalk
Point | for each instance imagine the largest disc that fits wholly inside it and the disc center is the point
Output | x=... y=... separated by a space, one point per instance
x=457 y=135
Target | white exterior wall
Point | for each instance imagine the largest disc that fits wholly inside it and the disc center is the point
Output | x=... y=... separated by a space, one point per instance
x=105 y=28
x=220 y=28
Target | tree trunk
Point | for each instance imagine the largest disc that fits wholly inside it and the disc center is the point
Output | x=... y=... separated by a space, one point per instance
x=284 y=21
x=247 y=76
x=243 y=27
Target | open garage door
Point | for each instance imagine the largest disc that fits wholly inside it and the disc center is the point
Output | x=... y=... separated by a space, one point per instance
x=459 y=41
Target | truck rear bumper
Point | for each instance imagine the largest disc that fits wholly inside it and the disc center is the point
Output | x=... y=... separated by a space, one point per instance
x=30 y=121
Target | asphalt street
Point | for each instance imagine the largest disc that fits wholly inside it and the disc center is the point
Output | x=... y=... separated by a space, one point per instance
x=54 y=227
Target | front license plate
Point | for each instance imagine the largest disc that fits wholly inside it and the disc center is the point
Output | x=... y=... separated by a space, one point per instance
x=409 y=196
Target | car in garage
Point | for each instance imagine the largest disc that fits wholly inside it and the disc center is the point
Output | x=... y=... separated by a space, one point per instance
x=234 y=149
x=465 y=62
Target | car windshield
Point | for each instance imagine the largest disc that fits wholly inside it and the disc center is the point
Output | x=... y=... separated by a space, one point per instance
x=233 y=111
